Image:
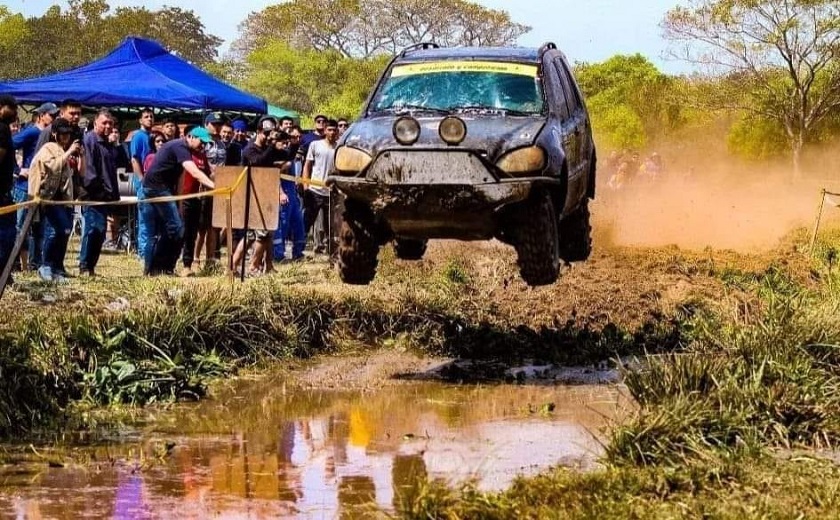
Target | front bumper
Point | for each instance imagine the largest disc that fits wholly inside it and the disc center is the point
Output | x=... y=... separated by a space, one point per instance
x=436 y=194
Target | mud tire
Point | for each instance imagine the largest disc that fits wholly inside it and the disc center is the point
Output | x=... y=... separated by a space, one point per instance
x=576 y=235
x=357 y=245
x=536 y=240
x=409 y=249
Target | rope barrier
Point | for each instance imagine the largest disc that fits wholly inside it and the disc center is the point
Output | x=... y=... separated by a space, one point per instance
x=227 y=190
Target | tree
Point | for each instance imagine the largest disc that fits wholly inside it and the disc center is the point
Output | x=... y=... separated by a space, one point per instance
x=629 y=100
x=310 y=81
x=362 y=29
x=783 y=55
x=88 y=29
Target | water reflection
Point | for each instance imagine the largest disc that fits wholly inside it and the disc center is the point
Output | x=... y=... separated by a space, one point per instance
x=262 y=452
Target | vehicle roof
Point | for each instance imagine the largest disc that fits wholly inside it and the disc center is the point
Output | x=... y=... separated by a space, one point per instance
x=524 y=54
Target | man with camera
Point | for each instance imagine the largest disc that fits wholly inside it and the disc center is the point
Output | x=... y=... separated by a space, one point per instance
x=268 y=149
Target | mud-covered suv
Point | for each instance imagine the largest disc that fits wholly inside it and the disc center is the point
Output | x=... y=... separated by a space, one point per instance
x=469 y=144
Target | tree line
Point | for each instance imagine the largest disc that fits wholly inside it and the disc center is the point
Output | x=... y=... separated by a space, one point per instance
x=767 y=71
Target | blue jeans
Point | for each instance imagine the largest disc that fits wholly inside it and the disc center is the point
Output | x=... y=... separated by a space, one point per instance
x=95 y=219
x=291 y=225
x=143 y=225
x=36 y=234
x=166 y=234
x=58 y=223
x=8 y=233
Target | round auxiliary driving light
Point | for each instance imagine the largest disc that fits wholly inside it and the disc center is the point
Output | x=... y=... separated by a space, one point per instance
x=406 y=130
x=452 y=130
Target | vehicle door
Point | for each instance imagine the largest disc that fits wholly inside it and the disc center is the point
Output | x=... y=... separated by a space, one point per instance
x=558 y=127
x=577 y=132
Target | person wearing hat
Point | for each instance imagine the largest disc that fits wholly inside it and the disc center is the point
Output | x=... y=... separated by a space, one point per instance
x=161 y=180
x=240 y=132
x=51 y=178
x=8 y=163
x=26 y=141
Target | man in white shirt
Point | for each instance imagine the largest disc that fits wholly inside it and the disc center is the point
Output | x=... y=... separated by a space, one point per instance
x=319 y=160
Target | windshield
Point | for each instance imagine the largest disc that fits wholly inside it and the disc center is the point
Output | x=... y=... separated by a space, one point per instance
x=465 y=85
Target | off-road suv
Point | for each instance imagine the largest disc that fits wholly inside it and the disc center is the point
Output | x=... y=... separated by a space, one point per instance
x=469 y=144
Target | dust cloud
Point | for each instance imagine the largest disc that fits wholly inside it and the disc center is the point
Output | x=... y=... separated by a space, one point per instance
x=722 y=206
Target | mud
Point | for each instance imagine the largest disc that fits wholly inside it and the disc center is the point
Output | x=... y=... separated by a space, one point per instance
x=265 y=448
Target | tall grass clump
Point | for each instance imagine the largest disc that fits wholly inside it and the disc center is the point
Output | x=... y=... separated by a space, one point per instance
x=760 y=375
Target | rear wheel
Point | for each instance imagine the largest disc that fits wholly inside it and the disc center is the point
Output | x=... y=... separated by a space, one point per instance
x=409 y=249
x=357 y=246
x=536 y=240
x=576 y=235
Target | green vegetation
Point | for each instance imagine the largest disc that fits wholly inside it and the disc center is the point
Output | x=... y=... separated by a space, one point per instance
x=139 y=341
x=729 y=426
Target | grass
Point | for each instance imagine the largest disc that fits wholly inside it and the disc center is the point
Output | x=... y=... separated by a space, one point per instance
x=120 y=340
x=757 y=379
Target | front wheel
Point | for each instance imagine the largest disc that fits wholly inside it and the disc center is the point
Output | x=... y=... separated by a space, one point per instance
x=357 y=246
x=535 y=237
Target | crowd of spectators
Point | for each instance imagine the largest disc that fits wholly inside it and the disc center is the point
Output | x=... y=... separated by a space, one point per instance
x=61 y=156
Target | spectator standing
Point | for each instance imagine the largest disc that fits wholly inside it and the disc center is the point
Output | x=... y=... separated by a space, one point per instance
x=8 y=115
x=99 y=184
x=233 y=150
x=343 y=125
x=171 y=161
x=240 y=132
x=291 y=215
x=139 y=149
x=170 y=129
x=317 y=134
x=51 y=178
x=71 y=110
x=26 y=141
x=316 y=199
x=191 y=210
x=216 y=156
x=268 y=149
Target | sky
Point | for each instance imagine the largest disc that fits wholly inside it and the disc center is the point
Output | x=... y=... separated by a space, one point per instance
x=585 y=30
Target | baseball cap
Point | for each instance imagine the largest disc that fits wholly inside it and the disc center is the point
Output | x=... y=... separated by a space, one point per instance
x=240 y=125
x=267 y=123
x=213 y=117
x=47 y=108
x=202 y=134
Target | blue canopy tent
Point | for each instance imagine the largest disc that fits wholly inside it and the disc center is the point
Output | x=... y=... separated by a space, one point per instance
x=138 y=73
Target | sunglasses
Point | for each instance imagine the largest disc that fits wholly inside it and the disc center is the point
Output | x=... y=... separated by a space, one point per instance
x=342 y=125
x=320 y=120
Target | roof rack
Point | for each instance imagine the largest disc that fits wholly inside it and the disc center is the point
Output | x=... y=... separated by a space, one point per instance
x=547 y=46
x=421 y=45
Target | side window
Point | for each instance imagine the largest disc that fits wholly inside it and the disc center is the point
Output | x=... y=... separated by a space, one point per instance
x=558 y=92
x=569 y=89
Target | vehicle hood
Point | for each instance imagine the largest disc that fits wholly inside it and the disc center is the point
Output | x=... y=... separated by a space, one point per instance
x=492 y=135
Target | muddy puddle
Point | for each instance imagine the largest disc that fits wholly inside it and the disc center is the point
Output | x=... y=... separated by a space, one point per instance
x=264 y=451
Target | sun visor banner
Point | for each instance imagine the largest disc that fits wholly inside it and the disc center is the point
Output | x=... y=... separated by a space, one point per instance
x=432 y=67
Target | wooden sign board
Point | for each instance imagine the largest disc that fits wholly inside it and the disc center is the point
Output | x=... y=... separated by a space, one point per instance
x=265 y=198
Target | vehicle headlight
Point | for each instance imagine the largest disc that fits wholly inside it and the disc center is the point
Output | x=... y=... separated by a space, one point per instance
x=523 y=160
x=452 y=130
x=351 y=160
x=406 y=130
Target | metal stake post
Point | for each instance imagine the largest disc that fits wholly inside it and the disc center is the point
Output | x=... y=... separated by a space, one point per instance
x=247 y=221
x=817 y=224
x=22 y=235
